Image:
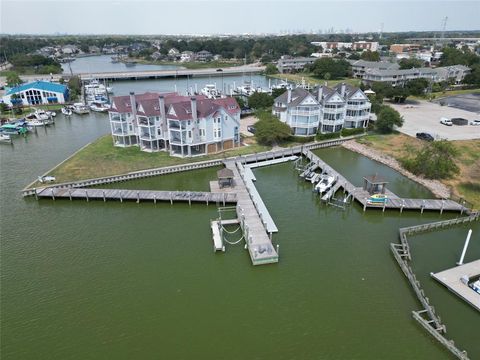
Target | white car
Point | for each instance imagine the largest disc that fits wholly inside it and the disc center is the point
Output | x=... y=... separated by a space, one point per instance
x=446 y=121
x=475 y=122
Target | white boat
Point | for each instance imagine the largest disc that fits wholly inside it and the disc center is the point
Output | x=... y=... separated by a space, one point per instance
x=45 y=179
x=37 y=115
x=5 y=138
x=99 y=107
x=315 y=178
x=66 y=111
x=80 y=109
x=476 y=286
x=36 y=122
x=325 y=183
x=210 y=91
x=282 y=85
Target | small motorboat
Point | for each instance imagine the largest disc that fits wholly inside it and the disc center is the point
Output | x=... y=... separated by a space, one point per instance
x=377 y=199
x=476 y=286
x=66 y=111
x=5 y=138
x=80 y=109
x=315 y=178
x=46 y=179
x=99 y=107
x=325 y=183
x=36 y=122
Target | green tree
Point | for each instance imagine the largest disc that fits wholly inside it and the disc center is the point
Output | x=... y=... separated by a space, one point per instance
x=260 y=100
x=370 y=56
x=75 y=87
x=335 y=68
x=436 y=160
x=277 y=92
x=271 y=69
x=13 y=79
x=386 y=120
x=417 y=87
x=269 y=130
x=411 y=63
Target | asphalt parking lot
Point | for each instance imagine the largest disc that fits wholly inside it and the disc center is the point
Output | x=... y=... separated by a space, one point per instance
x=424 y=116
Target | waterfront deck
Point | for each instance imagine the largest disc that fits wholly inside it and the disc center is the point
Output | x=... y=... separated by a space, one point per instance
x=393 y=201
x=451 y=278
x=136 y=195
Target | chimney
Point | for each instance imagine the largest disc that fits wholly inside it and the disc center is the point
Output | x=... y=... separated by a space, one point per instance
x=320 y=93
x=163 y=120
x=289 y=96
x=342 y=91
x=133 y=105
x=195 y=131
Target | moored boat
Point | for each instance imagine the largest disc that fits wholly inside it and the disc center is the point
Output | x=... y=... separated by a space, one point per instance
x=5 y=138
x=99 y=107
x=80 y=109
x=325 y=183
x=67 y=111
x=45 y=179
x=377 y=199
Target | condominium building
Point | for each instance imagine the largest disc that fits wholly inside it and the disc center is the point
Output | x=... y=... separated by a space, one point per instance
x=358 y=45
x=325 y=110
x=359 y=67
x=288 y=64
x=182 y=125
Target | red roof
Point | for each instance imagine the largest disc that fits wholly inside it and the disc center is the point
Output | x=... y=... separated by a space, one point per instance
x=148 y=104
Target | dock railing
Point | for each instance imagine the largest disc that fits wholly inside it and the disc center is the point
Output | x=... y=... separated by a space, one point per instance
x=401 y=253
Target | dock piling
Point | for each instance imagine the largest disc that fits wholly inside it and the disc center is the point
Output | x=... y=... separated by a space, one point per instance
x=70 y=194
x=103 y=193
x=36 y=195
x=86 y=194
x=138 y=197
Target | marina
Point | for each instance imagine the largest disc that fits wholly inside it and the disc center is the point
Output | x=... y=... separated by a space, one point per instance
x=453 y=280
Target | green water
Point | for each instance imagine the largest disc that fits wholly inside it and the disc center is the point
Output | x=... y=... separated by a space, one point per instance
x=124 y=280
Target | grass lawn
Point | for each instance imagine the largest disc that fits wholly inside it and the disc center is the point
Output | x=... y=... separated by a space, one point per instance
x=311 y=79
x=442 y=94
x=466 y=184
x=101 y=158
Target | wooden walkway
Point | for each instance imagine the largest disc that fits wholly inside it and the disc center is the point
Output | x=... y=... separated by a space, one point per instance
x=257 y=239
x=137 y=195
x=393 y=200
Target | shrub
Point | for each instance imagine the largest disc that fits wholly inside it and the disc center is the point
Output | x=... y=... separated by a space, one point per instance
x=350 y=132
x=302 y=139
x=328 y=136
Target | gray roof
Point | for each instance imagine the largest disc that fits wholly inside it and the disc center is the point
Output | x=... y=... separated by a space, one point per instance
x=382 y=65
x=298 y=95
x=413 y=71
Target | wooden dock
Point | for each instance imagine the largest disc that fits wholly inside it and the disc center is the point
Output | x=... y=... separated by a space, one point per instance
x=257 y=240
x=451 y=278
x=136 y=195
x=393 y=201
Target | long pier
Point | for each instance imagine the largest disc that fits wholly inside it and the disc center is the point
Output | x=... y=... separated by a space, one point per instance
x=393 y=201
x=150 y=74
x=136 y=195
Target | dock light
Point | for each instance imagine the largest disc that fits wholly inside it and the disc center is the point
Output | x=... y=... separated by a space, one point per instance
x=467 y=240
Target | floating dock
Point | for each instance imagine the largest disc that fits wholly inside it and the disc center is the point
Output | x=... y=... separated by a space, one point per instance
x=451 y=278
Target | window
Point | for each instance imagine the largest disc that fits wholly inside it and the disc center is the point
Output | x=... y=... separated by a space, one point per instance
x=189 y=134
x=189 y=122
x=202 y=132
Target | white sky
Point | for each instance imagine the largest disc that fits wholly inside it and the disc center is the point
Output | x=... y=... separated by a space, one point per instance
x=231 y=16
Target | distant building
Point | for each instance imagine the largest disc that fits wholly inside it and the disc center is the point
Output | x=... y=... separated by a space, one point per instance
x=203 y=55
x=325 y=110
x=454 y=73
x=328 y=46
x=404 y=48
x=37 y=93
x=359 y=67
x=288 y=64
x=181 y=125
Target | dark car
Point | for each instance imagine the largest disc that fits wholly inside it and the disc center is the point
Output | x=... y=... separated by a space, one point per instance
x=425 y=136
x=251 y=129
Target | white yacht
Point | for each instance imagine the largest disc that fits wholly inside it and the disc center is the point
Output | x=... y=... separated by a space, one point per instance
x=67 y=111
x=210 y=91
x=80 y=109
x=325 y=183
x=99 y=107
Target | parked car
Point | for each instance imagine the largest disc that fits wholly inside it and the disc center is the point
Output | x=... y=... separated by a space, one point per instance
x=251 y=129
x=425 y=136
x=446 y=121
x=475 y=122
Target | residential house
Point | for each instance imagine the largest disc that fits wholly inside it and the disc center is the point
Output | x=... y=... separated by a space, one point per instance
x=204 y=55
x=288 y=64
x=173 y=54
x=187 y=56
x=359 y=67
x=325 y=110
x=181 y=125
x=37 y=93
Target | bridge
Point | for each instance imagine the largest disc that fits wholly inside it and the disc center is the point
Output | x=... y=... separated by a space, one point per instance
x=148 y=74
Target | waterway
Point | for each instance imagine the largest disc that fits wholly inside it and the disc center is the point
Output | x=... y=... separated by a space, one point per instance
x=109 y=280
x=103 y=63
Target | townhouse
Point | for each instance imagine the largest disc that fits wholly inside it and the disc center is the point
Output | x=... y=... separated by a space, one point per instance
x=324 y=110
x=181 y=125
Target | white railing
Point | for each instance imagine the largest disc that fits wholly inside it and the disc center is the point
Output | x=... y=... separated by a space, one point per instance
x=305 y=112
x=358 y=107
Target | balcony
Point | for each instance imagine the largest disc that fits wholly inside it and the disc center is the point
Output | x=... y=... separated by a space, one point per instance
x=334 y=111
x=305 y=112
x=357 y=117
x=359 y=107
x=333 y=122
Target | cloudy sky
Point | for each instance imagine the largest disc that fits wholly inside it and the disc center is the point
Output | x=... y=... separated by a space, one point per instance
x=231 y=16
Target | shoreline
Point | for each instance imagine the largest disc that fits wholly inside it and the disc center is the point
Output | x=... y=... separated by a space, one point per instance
x=436 y=187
